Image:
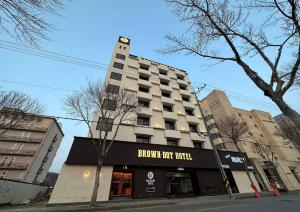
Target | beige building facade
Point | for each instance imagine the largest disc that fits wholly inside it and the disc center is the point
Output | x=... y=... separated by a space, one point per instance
x=274 y=157
x=27 y=152
x=167 y=152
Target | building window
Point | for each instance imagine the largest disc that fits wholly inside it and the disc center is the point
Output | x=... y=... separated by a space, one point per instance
x=214 y=136
x=208 y=117
x=120 y=56
x=166 y=93
x=211 y=126
x=144 y=121
x=163 y=72
x=144 y=89
x=118 y=65
x=220 y=146
x=11 y=160
x=180 y=77
x=164 y=82
x=16 y=147
x=185 y=98
x=172 y=142
x=193 y=128
x=109 y=104
x=168 y=108
x=143 y=139
x=197 y=144
x=143 y=103
x=114 y=89
x=189 y=111
x=4 y=160
x=104 y=124
x=116 y=76
x=2 y=175
x=169 y=125
x=144 y=66
x=182 y=87
x=144 y=77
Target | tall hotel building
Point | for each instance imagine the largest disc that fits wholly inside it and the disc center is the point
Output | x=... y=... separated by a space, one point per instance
x=166 y=153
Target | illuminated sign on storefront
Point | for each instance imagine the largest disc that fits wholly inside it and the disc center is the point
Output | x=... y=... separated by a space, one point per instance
x=143 y=153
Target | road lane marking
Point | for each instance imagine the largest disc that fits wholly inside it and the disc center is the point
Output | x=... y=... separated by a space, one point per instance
x=223 y=207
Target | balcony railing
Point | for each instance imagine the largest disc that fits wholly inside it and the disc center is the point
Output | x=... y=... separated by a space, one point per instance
x=14 y=166
x=17 y=152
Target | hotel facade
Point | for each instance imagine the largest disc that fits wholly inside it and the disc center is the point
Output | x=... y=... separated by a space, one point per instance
x=166 y=153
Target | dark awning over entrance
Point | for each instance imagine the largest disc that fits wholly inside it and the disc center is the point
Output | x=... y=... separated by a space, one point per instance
x=140 y=154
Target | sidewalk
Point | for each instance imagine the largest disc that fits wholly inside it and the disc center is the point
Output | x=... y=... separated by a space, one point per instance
x=117 y=205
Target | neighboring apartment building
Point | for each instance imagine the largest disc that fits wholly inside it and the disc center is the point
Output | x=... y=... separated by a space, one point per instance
x=27 y=152
x=275 y=158
x=167 y=152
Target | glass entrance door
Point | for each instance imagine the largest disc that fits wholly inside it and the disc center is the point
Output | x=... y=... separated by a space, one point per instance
x=121 y=184
x=179 y=183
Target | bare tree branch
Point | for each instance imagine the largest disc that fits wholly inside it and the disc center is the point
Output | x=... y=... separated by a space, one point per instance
x=229 y=23
x=16 y=109
x=113 y=106
x=23 y=19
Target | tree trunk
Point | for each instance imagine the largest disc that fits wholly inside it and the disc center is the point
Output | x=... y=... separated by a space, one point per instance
x=96 y=184
x=287 y=111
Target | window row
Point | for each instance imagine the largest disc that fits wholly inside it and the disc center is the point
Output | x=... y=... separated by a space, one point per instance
x=141 y=138
x=142 y=66
x=145 y=103
x=106 y=124
x=161 y=71
x=117 y=76
x=169 y=124
x=162 y=81
x=164 y=93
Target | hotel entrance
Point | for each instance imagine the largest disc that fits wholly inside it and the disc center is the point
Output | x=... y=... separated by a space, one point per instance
x=179 y=183
x=121 y=184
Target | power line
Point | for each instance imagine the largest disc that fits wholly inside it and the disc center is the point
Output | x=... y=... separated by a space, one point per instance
x=244 y=100
x=142 y=126
x=53 y=57
x=91 y=64
x=36 y=85
x=69 y=90
x=51 y=52
x=234 y=93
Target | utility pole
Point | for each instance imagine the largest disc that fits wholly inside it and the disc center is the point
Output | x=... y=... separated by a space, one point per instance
x=225 y=179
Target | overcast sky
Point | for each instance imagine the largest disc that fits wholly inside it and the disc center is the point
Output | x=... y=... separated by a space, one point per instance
x=89 y=30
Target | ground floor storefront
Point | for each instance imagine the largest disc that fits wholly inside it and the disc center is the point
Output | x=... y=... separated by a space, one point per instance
x=136 y=170
x=145 y=182
x=285 y=175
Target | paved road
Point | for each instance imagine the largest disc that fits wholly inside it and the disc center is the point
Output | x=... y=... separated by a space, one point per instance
x=287 y=203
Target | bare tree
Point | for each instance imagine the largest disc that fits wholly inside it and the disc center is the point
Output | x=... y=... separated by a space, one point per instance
x=249 y=31
x=16 y=109
x=234 y=129
x=114 y=107
x=290 y=132
x=23 y=19
x=264 y=149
